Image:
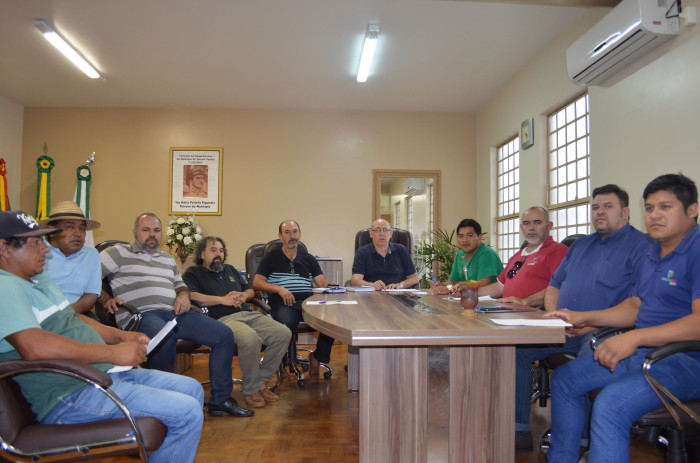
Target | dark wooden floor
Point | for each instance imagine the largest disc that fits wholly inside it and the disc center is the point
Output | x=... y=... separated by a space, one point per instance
x=317 y=424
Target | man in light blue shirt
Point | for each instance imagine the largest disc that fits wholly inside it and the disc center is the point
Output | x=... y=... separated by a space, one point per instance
x=75 y=268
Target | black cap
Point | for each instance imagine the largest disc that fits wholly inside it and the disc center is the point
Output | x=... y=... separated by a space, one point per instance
x=20 y=225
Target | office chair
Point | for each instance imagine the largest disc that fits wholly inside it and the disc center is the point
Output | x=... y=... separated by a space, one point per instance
x=293 y=357
x=22 y=438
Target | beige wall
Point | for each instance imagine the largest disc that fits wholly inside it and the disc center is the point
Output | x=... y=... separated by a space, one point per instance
x=644 y=121
x=313 y=166
x=11 y=115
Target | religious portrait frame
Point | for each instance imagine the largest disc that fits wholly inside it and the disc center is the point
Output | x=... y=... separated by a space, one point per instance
x=195 y=181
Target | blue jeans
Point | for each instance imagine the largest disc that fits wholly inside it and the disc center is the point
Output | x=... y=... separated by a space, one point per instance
x=524 y=356
x=202 y=330
x=173 y=399
x=625 y=397
x=290 y=316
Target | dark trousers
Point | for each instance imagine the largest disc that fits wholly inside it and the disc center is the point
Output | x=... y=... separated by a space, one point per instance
x=290 y=316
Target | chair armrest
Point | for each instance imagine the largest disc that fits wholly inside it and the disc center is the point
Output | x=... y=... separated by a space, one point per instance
x=261 y=305
x=601 y=334
x=672 y=348
x=199 y=307
x=76 y=367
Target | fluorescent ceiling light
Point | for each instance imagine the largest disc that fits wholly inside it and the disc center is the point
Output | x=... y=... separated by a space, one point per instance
x=368 y=52
x=64 y=47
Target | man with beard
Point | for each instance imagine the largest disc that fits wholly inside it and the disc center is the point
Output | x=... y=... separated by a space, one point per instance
x=525 y=278
x=149 y=280
x=222 y=289
x=382 y=264
x=287 y=274
x=599 y=271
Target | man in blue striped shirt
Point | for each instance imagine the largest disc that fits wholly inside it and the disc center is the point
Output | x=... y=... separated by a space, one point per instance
x=287 y=274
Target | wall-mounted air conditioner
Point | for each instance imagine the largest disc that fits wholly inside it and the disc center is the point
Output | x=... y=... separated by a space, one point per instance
x=628 y=32
x=414 y=186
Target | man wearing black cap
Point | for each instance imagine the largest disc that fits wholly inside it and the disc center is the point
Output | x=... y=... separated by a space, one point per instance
x=75 y=268
x=39 y=323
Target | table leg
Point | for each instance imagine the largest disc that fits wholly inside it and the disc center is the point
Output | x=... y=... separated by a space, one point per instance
x=482 y=404
x=393 y=410
x=353 y=368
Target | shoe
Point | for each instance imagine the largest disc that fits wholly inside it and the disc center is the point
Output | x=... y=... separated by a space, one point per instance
x=231 y=407
x=255 y=400
x=268 y=395
x=523 y=442
x=313 y=366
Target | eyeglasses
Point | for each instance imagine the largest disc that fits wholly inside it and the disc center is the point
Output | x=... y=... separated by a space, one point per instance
x=381 y=231
x=514 y=271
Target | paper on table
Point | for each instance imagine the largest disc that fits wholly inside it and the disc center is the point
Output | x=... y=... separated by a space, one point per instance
x=330 y=302
x=486 y=298
x=155 y=340
x=400 y=290
x=360 y=289
x=530 y=321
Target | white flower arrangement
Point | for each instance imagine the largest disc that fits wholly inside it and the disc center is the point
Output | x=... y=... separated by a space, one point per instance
x=183 y=234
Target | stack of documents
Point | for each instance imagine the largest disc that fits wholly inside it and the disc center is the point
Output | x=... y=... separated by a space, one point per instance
x=360 y=289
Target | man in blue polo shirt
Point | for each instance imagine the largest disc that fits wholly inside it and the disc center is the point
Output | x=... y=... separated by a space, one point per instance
x=599 y=271
x=383 y=264
x=74 y=267
x=664 y=307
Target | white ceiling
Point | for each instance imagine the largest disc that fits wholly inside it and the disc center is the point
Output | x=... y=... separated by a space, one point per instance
x=433 y=55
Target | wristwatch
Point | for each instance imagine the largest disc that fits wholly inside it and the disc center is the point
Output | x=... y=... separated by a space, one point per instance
x=401 y=285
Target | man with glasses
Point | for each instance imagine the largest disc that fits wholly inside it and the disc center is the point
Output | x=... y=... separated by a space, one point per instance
x=598 y=272
x=525 y=278
x=382 y=264
x=287 y=275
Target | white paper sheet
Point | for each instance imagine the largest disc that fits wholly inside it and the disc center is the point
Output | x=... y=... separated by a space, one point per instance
x=155 y=340
x=530 y=321
x=330 y=302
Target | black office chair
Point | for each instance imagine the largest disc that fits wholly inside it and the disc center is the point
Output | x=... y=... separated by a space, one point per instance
x=22 y=438
x=294 y=359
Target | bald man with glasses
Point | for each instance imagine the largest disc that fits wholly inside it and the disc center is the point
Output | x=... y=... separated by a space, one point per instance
x=382 y=264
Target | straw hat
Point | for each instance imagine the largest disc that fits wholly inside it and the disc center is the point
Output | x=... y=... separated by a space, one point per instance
x=68 y=210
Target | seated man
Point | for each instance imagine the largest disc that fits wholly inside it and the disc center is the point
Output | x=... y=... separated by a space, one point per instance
x=74 y=267
x=222 y=289
x=149 y=280
x=39 y=323
x=664 y=307
x=287 y=275
x=525 y=278
x=480 y=261
x=598 y=271
x=382 y=264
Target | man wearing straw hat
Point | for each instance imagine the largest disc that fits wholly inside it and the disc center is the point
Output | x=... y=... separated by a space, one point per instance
x=74 y=267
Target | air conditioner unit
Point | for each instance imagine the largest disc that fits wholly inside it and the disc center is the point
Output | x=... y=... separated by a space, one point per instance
x=414 y=186
x=628 y=32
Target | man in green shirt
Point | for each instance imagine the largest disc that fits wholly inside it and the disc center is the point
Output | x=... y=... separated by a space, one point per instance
x=482 y=263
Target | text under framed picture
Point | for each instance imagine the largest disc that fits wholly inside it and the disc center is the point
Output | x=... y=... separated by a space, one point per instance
x=195 y=181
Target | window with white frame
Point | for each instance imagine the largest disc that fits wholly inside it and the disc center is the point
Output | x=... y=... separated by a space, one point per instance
x=409 y=214
x=508 y=202
x=431 y=212
x=569 y=168
x=397 y=214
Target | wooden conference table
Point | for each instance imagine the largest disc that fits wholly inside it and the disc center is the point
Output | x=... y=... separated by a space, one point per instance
x=393 y=335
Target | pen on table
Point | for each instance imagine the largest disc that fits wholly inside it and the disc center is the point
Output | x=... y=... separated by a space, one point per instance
x=321 y=302
x=433 y=278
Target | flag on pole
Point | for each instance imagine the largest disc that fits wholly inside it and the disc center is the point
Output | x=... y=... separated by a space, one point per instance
x=4 y=198
x=43 y=187
x=82 y=194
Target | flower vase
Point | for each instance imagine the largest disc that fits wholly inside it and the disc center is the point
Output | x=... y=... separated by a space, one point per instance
x=182 y=253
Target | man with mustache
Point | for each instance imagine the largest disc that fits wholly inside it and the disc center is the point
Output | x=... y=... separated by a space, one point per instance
x=599 y=271
x=527 y=274
x=149 y=280
x=222 y=289
x=287 y=275
x=74 y=267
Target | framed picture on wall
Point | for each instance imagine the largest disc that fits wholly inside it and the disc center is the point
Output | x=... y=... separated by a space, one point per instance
x=195 y=181
x=527 y=133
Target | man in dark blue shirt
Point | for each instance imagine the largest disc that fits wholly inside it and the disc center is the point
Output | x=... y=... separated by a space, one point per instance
x=382 y=264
